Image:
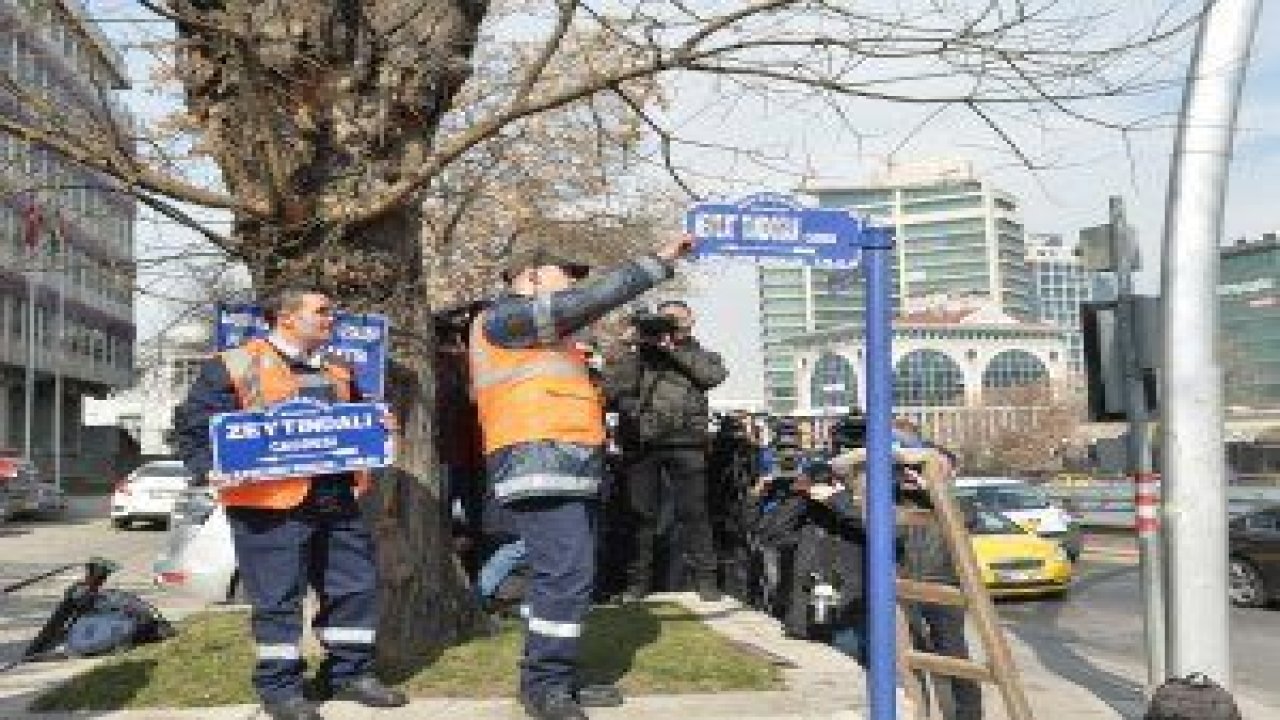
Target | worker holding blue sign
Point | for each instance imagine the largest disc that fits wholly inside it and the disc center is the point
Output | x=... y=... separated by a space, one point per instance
x=542 y=420
x=295 y=531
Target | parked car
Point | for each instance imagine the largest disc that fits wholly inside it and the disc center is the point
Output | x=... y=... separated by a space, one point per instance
x=26 y=493
x=1255 y=557
x=1014 y=560
x=199 y=559
x=149 y=493
x=1025 y=504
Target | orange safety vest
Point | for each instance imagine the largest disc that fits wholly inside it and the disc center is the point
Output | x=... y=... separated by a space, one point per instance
x=262 y=378
x=530 y=394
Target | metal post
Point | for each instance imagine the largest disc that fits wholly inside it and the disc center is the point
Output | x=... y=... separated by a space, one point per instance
x=1146 y=483
x=29 y=400
x=1194 y=509
x=882 y=568
x=59 y=354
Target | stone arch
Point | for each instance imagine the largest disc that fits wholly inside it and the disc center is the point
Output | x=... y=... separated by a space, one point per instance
x=928 y=378
x=833 y=382
x=1011 y=368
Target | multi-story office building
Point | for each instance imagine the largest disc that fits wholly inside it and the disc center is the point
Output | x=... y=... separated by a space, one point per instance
x=80 y=274
x=1061 y=285
x=1249 y=303
x=958 y=238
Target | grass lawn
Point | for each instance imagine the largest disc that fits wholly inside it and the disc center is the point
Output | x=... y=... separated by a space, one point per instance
x=652 y=648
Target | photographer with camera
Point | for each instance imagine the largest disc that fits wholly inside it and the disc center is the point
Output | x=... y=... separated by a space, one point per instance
x=659 y=389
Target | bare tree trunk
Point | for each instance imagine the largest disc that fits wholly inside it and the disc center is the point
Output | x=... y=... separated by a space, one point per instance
x=310 y=108
x=423 y=589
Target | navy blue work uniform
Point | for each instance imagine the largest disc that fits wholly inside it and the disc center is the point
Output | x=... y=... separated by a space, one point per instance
x=322 y=543
x=548 y=483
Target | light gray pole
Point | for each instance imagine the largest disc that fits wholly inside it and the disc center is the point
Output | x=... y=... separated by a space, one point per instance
x=1195 y=508
x=1146 y=484
x=29 y=399
x=60 y=337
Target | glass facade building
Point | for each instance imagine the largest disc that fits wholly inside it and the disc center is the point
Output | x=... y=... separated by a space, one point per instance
x=1249 y=303
x=957 y=237
x=1061 y=285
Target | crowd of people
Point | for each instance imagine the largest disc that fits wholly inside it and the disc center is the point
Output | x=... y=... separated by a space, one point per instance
x=576 y=476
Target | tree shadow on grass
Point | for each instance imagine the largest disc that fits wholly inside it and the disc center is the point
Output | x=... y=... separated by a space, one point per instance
x=106 y=688
x=614 y=635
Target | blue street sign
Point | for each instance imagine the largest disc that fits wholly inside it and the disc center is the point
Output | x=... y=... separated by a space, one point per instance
x=299 y=437
x=360 y=339
x=776 y=227
x=237 y=324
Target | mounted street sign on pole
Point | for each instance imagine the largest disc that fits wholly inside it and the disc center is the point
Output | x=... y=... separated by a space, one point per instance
x=770 y=226
x=778 y=228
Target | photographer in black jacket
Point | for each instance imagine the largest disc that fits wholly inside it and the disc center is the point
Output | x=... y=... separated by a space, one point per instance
x=659 y=389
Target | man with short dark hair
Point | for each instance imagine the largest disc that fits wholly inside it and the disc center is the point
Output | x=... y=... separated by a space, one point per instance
x=542 y=419
x=298 y=532
x=659 y=389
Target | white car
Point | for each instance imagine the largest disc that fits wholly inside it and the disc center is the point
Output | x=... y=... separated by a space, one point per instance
x=149 y=493
x=1025 y=504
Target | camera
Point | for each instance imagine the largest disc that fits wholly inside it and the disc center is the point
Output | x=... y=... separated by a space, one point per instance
x=652 y=326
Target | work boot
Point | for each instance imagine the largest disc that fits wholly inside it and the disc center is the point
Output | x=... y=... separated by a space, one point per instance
x=558 y=704
x=294 y=708
x=370 y=692
x=598 y=696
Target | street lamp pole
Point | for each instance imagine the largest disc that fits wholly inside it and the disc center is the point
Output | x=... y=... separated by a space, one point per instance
x=1194 y=508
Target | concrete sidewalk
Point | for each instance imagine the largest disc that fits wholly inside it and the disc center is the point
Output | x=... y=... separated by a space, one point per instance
x=1060 y=680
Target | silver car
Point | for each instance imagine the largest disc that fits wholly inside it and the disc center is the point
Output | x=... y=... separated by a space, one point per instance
x=25 y=493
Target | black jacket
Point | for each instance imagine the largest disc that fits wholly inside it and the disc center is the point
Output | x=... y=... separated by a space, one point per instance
x=660 y=394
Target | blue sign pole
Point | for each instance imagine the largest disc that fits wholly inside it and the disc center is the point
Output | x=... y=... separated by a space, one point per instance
x=882 y=569
x=777 y=228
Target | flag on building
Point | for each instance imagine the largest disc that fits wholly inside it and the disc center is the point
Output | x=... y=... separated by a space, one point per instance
x=32 y=224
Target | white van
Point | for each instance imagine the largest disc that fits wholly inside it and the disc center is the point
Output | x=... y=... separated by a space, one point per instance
x=1027 y=505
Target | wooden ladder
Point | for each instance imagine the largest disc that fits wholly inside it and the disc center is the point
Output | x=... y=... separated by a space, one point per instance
x=971 y=595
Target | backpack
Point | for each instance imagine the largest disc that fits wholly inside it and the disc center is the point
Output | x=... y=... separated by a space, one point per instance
x=117 y=621
x=1194 y=697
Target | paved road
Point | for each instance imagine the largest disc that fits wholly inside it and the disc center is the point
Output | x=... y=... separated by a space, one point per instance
x=29 y=547
x=1101 y=620
x=1082 y=638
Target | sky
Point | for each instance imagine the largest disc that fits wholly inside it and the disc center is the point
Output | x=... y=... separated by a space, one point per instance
x=1086 y=163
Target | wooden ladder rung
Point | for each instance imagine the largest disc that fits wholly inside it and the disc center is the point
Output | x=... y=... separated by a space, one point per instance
x=952 y=667
x=935 y=593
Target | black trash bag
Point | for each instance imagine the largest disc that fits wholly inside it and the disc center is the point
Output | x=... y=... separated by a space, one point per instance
x=117 y=621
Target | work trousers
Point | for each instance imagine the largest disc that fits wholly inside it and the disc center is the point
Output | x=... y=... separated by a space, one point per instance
x=559 y=539
x=940 y=629
x=686 y=470
x=280 y=554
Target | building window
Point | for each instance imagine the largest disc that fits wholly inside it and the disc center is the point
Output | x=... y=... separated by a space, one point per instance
x=1012 y=368
x=834 y=383
x=928 y=378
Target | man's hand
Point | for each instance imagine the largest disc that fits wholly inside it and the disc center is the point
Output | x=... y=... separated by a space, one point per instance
x=762 y=486
x=675 y=248
x=391 y=423
x=822 y=492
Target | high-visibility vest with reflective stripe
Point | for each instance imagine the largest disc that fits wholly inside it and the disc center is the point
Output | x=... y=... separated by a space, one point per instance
x=261 y=378
x=531 y=394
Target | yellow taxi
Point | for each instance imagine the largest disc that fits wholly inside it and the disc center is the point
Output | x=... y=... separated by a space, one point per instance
x=1015 y=561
